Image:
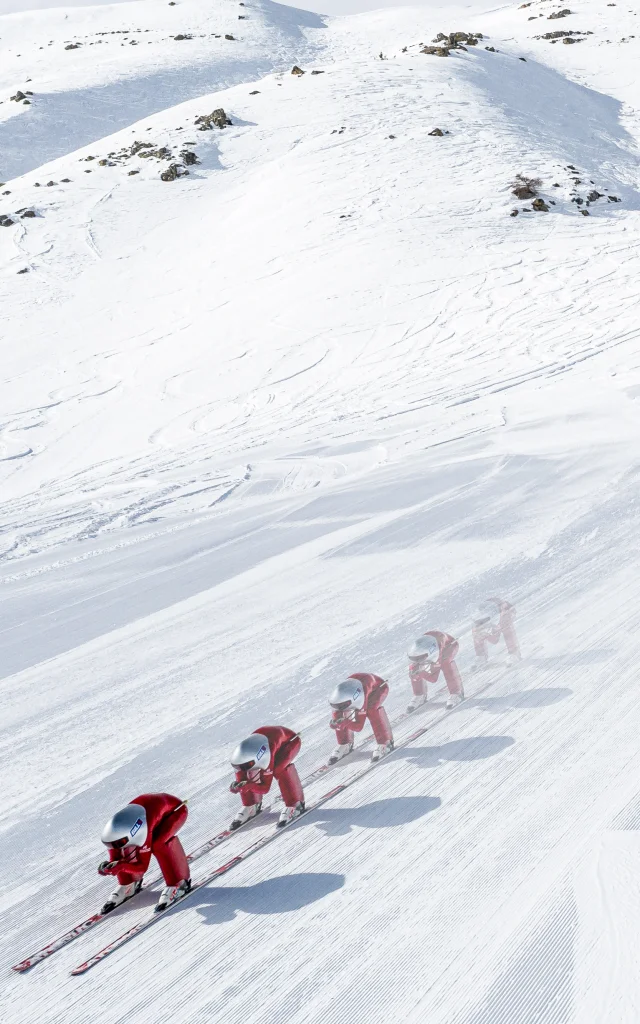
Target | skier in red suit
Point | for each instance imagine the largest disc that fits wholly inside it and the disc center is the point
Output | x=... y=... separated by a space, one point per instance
x=432 y=653
x=146 y=826
x=266 y=755
x=491 y=621
x=355 y=701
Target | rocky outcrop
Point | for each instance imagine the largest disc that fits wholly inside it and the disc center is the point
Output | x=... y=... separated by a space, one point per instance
x=524 y=187
x=172 y=172
x=567 y=35
x=217 y=118
x=444 y=42
x=163 y=153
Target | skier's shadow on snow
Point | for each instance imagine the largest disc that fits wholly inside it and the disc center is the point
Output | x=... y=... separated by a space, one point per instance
x=281 y=895
x=399 y=810
x=544 y=697
x=472 y=748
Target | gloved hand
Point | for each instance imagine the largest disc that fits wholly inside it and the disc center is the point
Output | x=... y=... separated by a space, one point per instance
x=235 y=787
x=106 y=867
x=339 y=718
x=339 y=723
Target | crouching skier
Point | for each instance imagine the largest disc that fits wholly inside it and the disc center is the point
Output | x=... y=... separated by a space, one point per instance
x=492 y=620
x=266 y=755
x=146 y=826
x=355 y=701
x=429 y=655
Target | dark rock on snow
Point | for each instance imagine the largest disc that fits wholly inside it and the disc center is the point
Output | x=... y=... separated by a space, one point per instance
x=171 y=173
x=218 y=118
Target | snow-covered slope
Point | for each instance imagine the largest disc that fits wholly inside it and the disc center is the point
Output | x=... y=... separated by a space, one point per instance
x=262 y=423
x=94 y=69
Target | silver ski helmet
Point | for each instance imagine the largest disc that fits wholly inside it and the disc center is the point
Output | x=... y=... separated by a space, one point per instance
x=128 y=827
x=348 y=696
x=425 y=648
x=253 y=752
x=485 y=614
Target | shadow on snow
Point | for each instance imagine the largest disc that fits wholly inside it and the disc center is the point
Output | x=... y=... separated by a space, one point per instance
x=284 y=894
x=401 y=810
x=472 y=748
x=542 y=698
x=560 y=117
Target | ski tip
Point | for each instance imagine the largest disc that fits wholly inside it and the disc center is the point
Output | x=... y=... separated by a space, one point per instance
x=21 y=968
x=81 y=968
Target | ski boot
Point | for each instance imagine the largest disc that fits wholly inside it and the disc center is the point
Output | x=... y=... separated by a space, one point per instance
x=382 y=750
x=121 y=895
x=288 y=814
x=245 y=814
x=453 y=700
x=416 y=702
x=171 y=893
x=341 y=751
x=480 y=664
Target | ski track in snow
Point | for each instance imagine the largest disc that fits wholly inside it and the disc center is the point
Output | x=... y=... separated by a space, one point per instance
x=261 y=426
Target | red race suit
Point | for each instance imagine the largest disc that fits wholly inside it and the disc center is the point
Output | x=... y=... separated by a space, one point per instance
x=490 y=633
x=284 y=745
x=165 y=815
x=448 y=647
x=376 y=691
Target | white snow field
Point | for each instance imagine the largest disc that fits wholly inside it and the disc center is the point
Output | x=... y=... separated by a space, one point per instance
x=263 y=424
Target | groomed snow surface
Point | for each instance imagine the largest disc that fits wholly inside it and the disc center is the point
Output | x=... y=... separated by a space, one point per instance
x=262 y=425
